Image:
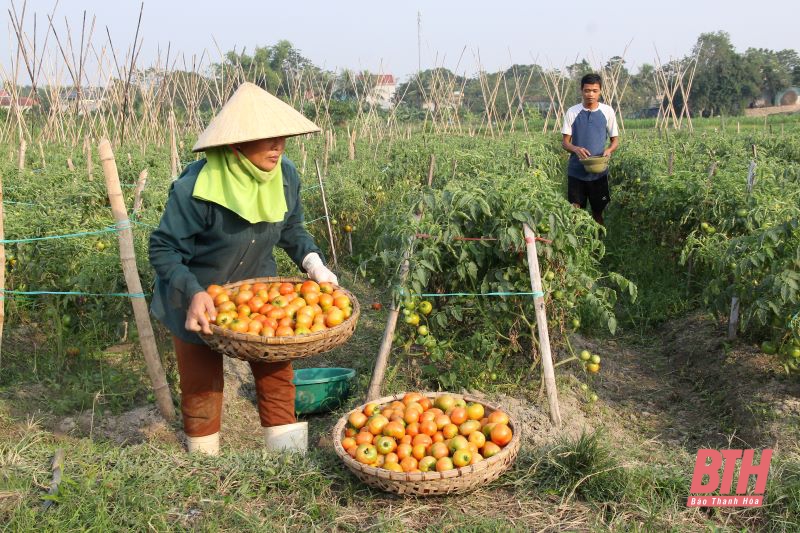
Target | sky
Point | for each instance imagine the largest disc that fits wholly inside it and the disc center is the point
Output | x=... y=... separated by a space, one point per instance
x=383 y=36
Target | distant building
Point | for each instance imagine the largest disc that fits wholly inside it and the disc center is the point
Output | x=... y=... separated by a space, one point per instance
x=91 y=99
x=23 y=102
x=382 y=88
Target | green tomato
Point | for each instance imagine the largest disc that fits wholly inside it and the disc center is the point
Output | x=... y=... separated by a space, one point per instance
x=550 y=276
x=595 y=359
x=425 y=307
x=422 y=330
x=584 y=387
x=412 y=319
x=795 y=352
x=585 y=355
x=558 y=295
x=576 y=323
x=768 y=348
x=593 y=397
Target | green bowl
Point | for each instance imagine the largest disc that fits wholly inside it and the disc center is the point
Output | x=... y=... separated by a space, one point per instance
x=320 y=390
x=595 y=164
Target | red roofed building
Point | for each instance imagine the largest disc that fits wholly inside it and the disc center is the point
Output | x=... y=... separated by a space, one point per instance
x=23 y=102
x=382 y=88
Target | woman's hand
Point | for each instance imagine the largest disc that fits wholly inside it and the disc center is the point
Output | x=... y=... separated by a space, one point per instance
x=317 y=270
x=201 y=313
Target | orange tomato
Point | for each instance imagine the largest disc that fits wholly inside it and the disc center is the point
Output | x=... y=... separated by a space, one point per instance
x=317 y=327
x=408 y=464
x=243 y=310
x=243 y=297
x=334 y=317
x=326 y=287
x=284 y=331
x=498 y=417
x=277 y=313
x=226 y=306
x=309 y=286
x=341 y=302
x=303 y=321
x=254 y=327
x=394 y=429
x=404 y=450
x=311 y=298
x=221 y=297
x=267 y=331
x=364 y=437
x=244 y=287
x=449 y=431
x=325 y=301
x=285 y=288
x=214 y=290
x=428 y=427
x=501 y=434
x=259 y=286
x=239 y=325
x=458 y=415
x=412 y=429
x=255 y=302
x=285 y=322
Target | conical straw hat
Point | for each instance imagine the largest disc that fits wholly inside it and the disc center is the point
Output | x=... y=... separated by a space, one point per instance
x=250 y=114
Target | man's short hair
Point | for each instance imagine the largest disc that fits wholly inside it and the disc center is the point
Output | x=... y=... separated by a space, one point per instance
x=591 y=79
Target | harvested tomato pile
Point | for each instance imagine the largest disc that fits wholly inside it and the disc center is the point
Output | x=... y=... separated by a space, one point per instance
x=418 y=434
x=280 y=309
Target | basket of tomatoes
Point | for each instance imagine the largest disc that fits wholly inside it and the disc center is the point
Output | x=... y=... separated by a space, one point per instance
x=278 y=319
x=428 y=443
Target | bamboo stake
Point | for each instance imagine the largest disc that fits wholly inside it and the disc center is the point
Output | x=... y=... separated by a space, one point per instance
x=327 y=215
x=41 y=154
x=541 y=322
x=70 y=165
x=382 y=361
x=134 y=284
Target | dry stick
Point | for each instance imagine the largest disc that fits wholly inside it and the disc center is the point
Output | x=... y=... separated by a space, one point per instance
x=541 y=323
x=128 y=258
x=2 y=271
x=327 y=215
x=670 y=163
x=382 y=361
x=173 y=153
x=137 y=194
x=57 y=468
x=70 y=166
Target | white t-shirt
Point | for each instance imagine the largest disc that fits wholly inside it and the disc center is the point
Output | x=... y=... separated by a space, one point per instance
x=605 y=109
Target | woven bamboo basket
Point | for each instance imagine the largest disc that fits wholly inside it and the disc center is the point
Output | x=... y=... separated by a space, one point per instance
x=452 y=481
x=271 y=349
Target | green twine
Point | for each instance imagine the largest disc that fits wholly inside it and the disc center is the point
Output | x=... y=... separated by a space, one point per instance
x=535 y=294
x=310 y=221
x=74 y=293
x=125 y=224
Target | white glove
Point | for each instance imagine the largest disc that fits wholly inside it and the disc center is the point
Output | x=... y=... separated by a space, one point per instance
x=317 y=270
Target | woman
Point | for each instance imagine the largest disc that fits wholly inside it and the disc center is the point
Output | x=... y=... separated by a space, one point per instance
x=224 y=215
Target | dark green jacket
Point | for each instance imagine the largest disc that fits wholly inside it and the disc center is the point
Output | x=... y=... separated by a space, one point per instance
x=198 y=243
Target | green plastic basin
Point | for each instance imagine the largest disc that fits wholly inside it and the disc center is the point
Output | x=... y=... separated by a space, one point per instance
x=320 y=390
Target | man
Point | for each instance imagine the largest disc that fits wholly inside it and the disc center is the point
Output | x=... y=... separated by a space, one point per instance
x=587 y=127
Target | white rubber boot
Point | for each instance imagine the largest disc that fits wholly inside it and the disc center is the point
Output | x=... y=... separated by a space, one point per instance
x=289 y=437
x=208 y=444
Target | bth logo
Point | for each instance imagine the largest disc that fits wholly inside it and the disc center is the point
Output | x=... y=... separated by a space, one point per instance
x=710 y=463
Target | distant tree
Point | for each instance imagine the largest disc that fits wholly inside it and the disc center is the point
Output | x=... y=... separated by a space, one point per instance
x=725 y=82
x=270 y=67
x=775 y=74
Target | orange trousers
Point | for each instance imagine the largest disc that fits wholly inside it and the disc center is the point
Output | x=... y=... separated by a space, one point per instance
x=201 y=378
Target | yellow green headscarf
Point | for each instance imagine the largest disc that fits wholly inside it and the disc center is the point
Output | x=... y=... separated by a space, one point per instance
x=233 y=181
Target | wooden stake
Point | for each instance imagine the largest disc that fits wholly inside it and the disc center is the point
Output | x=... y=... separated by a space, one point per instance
x=733 y=321
x=137 y=194
x=128 y=258
x=541 y=322
x=70 y=166
x=327 y=215
x=89 y=163
x=382 y=361
x=23 y=146
x=670 y=163
x=41 y=154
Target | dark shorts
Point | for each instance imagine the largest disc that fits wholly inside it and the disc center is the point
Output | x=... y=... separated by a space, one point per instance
x=578 y=191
